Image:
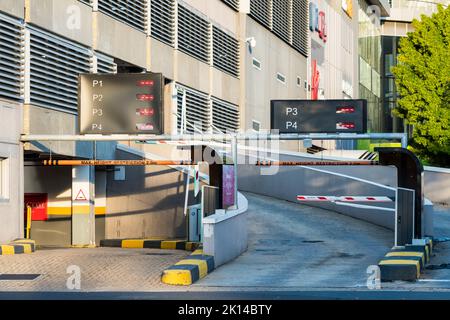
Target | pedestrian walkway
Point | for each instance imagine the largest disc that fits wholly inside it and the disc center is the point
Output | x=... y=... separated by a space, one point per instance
x=102 y=269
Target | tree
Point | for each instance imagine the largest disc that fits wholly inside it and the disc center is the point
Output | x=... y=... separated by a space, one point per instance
x=423 y=83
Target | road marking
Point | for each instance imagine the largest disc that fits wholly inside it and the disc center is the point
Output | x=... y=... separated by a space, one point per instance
x=434 y=280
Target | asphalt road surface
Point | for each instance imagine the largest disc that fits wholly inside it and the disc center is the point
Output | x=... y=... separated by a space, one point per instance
x=294 y=252
x=296 y=246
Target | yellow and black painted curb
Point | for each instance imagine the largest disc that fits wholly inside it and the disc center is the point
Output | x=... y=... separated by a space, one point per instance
x=18 y=246
x=405 y=263
x=150 y=244
x=189 y=270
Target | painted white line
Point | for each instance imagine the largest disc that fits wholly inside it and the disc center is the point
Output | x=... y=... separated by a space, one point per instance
x=434 y=280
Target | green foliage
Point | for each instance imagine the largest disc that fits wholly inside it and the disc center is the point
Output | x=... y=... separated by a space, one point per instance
x=423 y=82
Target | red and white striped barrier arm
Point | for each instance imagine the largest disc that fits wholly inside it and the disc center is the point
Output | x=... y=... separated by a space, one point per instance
x=304 y=198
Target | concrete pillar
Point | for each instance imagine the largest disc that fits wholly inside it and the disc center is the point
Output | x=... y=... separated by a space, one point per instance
x=83 y=207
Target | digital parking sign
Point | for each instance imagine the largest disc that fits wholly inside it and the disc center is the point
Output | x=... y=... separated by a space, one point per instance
x=319 y=116
x=121 y=103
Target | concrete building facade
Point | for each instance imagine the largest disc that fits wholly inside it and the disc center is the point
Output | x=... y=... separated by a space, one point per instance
x=228 y=59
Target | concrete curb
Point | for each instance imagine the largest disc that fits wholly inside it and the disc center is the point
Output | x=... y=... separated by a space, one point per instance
x=18 y=246
x=189 y=270
x=406 y=263
x=150 y=244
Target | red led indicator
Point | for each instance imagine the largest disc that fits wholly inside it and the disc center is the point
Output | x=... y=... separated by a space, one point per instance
x=145 y=97
x=345 y=110
x=345 y=125
x=146 y=83
x=145 y=112
x=144 y=126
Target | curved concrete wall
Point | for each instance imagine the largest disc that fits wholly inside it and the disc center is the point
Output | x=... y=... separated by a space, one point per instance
x=289 y=182
x=292 y=181
x=437 y=185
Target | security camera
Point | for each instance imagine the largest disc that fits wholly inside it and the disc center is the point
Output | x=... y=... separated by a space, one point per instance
x=251 y=42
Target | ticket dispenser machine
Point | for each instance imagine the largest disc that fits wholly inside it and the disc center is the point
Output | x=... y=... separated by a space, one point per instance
x=195 y=223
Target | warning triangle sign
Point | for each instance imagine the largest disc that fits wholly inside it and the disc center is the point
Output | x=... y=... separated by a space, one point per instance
x=80 y=196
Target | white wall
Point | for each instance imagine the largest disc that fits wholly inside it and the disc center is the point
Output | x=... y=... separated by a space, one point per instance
x=11 y=200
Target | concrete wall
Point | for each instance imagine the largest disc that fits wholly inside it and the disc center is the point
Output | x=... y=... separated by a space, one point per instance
x=13 y=7
x=11 y=170
x=39 y=120
x=292 y=181
x=225 y=235
x=262 y=85
x=288 y=182
x=120 y=40
x=148 y=203
x=68 y=18
x=57 y=183
x=437 y=185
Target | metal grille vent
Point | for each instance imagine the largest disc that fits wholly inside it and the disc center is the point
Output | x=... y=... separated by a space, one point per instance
x=300 y=26
x=193 y=34
x=55 y=66
x=11 y=58
x=261 y=11
x=105 y=64
x=163 y=20
x=88 y=2
x=225 y=52
x=197 y=109
x=233 y=4
x=131 y=12
x=225 y=116
x=282 y=19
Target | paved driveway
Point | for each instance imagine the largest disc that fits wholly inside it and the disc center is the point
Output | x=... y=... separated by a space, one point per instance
x=296 y=246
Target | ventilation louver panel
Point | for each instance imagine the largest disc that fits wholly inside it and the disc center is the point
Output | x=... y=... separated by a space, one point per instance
x=233 y=4
x=193 y=34
x=225 y=116
x=55 y=66
x=260 y=10
x=88 y=2
x=282 y=16
x=197 y=109
x=225 y=52
x=163 y=20
x=11 y=58
x=105 y=64
x=131 y=12
x=300 y=26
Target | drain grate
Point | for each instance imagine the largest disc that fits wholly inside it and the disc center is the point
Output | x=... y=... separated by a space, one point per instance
x=18 y=277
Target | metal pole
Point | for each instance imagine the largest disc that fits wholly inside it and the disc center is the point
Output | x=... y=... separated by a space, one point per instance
x=316 y=163
x=221 y=137
x=117 y=163
x=190 y=163
x=405 y=141
x=234 y=147
x=186 y=198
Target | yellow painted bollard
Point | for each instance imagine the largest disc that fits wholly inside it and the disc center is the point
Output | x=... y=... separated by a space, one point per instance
x=28 y=222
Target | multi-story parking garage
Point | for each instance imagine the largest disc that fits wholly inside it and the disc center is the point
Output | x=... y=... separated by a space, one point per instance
x=224 y=58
